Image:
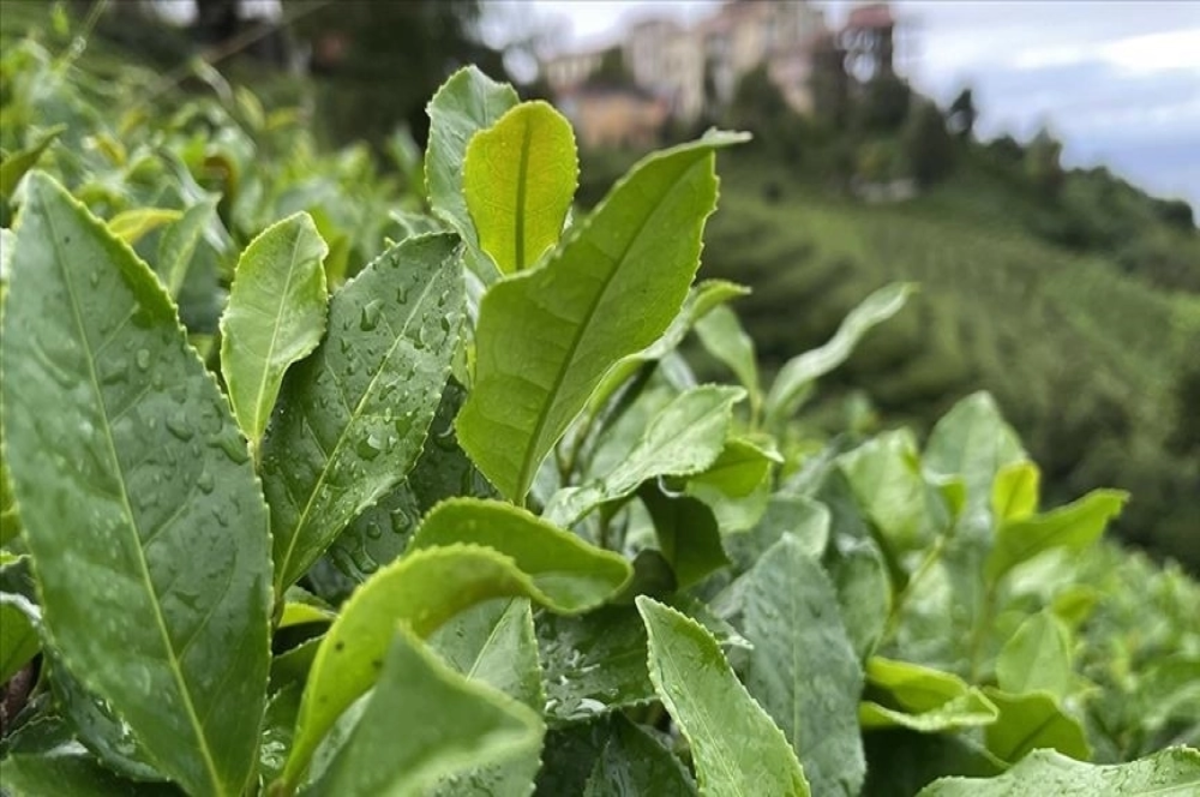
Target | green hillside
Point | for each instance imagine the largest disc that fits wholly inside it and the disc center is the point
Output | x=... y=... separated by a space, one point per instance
x=1085 y=359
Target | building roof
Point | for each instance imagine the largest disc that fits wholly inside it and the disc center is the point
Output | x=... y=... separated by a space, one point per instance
x=875 y=15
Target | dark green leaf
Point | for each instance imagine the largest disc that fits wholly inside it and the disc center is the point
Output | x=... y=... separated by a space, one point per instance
x=687 y=535
x=593 y=664
x=547 y=336
x=802 y=669
x=70 y=769
x=352 y=417
x=635 y=763
x=151 y=601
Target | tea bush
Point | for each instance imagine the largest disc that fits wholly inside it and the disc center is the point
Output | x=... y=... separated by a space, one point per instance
x=323 y=482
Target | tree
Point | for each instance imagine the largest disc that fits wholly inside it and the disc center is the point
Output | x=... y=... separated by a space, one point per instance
x=830 y=85
x=759 y=106
x=387 y=58
x=1043 y=166
x=885 y=104
x=962 y=116
x=928 y=144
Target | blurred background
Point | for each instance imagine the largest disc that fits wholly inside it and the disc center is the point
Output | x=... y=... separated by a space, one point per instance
x=1033 y=166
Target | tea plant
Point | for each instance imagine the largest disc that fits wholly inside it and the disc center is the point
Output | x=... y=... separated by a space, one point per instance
x=465 y=523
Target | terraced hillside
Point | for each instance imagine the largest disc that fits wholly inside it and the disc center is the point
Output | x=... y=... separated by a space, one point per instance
x=1086 y=360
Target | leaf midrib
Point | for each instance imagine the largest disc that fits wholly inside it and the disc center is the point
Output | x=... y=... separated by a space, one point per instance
x=527 y=463
x=143 y=567
x=354 y=416
x=522 y=189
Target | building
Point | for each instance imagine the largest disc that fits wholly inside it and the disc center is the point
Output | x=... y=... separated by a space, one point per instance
x=694 y=72
x=614 y=116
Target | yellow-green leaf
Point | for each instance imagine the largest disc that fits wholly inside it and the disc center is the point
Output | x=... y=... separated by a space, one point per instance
x=519 y=177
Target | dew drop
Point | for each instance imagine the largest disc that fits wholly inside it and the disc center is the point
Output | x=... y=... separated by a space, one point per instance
x=370 y=315
x=234 y=448
x=142 y=358
x=205 y=483
x=177 y=425
x=370 y=446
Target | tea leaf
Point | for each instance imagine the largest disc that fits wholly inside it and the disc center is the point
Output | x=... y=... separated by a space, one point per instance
x=736 y=748
x=275 y=317
x=494 y=644
x=1175 y=770
x=794 y=381
x=546 y=336
x=462 y=725
x=803 y=670
x=519 y=177
x=685 y=437
x=573 y=574
x=157 y=608
x=423 y=590
x=352 y=418
x=1037 y=657
x=633 y=762
x=921 y=698
x=1074 y=527
x=468 y=102
x=1031 y=721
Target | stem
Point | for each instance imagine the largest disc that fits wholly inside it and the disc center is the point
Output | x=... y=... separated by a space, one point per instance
x=979 y=633
x=931 y=559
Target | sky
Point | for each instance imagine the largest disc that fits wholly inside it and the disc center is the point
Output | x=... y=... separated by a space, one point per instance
x=1117 y=82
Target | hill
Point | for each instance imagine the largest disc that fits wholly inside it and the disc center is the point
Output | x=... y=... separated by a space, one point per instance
x=1089 y=361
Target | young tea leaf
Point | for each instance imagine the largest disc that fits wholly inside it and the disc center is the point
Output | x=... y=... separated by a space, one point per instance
x=275 y=317
x=519 y=177
x=352 y=418
x=1074 y=527
x=736 y=748
x=921 y=698
x=722 y=334
x=494 y=643
x=546 y=337
x=794 y=381
x=571 y=572
x=149 y=598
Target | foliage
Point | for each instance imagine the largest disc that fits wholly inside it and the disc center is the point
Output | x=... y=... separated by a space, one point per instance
x=928 y=144
x=581 y=575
